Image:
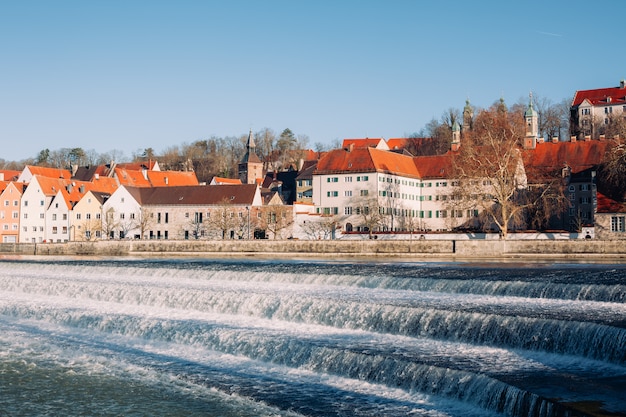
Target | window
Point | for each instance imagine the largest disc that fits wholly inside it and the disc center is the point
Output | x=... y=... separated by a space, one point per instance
x=54 y=217
x=348 y=193
x=16 y=215
x=332 y=179
x=363 y=193
x=88 y=216
x=348 y=179
x=347 y=210
x=26 y=215
x=122 y=215
x=78 y=216
x=97 y=218
x=6 y=202
x=618 y=224
x=54 y=230
x=167 y=215
x=64 y=216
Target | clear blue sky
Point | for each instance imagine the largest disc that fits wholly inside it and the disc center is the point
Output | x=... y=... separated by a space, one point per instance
x=133 y=74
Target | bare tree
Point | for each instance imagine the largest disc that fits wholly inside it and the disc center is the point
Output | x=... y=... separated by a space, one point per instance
x=221 y=220
x=612 y=172
x=490 y=171
x=276 y=219
x=323 y=227
x=370 y=212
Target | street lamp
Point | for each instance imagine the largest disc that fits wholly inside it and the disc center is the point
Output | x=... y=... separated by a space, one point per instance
x=248 y=209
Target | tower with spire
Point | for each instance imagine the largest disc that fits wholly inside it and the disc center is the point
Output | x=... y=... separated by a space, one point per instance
x=532 y=126
x=456 y=137
x=468 y=117
x=250 y=168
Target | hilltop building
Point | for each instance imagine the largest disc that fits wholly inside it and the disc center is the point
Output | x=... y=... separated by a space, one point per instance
x=593 y=111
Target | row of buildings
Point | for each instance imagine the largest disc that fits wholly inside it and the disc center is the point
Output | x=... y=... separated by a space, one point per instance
x=367 y=186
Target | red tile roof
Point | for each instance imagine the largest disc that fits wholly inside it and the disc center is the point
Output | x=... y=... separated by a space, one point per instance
x=607 y=205
x=436 y=166
x=599 y=96
x=398 y=143
x=579 y=155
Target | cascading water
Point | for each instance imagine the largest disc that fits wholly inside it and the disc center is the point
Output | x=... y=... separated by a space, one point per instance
x=240 y=338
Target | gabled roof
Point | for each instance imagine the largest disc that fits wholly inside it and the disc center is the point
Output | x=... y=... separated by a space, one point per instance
x=223 y=181
x=10 y=174
x=366 y=160
x=243 y=194
x=398 y=143
x=601 y=96
x=72 y=191
x=306 y=172
x=578 y=156
x=607 y=205
x=131 y=178
x=378 y=143
x=47 y=172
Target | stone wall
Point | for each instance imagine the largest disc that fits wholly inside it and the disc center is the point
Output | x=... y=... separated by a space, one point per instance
x=420 y=249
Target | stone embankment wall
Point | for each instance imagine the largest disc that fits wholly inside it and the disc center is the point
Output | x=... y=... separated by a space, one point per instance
x=579 y=250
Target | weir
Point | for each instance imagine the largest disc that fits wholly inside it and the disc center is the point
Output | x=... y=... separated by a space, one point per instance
x=423 y=343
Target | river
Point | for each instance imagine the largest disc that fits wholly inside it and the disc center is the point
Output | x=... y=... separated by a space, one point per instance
x=207 y=337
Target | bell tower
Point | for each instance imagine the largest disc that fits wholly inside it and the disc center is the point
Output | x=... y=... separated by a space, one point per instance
x=532 y=125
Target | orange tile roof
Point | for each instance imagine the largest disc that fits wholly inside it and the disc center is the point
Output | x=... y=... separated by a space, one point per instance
x=362 y=143
x=138 y=166
x=366 y=160
x=131 y=178
x=73 y=191
x=171 y=178
x=49 y=172
x=599 y=96
x=10 y=174
x=222 y=181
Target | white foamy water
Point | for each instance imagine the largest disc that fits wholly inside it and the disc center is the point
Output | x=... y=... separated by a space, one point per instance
x=285 y=338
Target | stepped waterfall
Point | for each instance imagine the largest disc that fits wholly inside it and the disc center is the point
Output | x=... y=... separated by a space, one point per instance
x=311 y=338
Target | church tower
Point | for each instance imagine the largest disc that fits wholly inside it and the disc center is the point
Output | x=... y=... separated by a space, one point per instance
x=532 y=125
x=456 y=137
x=468 y=117
x=250 y=167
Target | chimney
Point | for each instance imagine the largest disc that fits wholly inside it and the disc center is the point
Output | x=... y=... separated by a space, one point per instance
x=555 y=139
x=167 y=181
x=96 y=176
x=587 y=138
x=602 y=137
x=1 y=176
x=572 y=139
x=621 y=83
